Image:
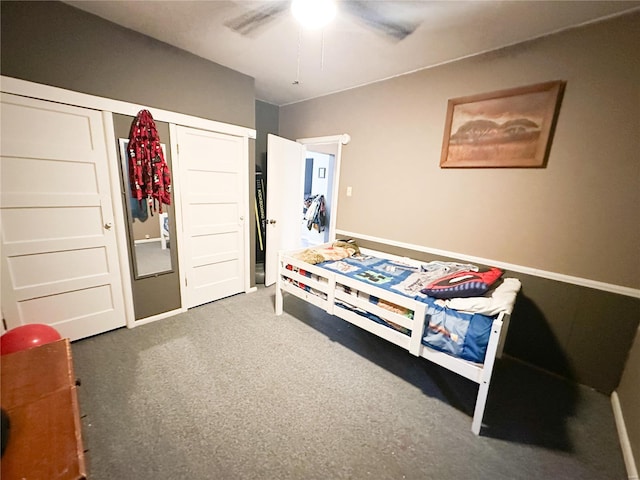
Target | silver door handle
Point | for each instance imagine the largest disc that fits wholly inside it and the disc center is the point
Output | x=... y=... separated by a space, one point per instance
x=107 y=226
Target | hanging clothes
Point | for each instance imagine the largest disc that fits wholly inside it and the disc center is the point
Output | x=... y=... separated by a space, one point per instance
x=149 y=175
x=316 y=214
x=139 y=210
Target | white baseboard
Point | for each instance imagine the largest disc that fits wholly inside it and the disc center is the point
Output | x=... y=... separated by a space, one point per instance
x=155 y=318
x=627 y=453
x=171 y=313
x=147 y=240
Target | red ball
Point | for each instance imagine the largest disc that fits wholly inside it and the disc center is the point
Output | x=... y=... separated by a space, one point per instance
x=27 y=336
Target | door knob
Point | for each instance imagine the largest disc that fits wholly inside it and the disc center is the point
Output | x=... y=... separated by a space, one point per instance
x=272 y=222
x=107 y=226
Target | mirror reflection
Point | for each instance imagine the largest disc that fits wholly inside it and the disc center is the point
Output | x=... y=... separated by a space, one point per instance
x=149 y=238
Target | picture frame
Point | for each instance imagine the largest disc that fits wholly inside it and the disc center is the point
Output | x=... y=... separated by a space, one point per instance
x=506 y=128
x=322 y=172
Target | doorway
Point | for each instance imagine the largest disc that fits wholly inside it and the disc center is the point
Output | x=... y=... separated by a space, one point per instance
x=316 y=201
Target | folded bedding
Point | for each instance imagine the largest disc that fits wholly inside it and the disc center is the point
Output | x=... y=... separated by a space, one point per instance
x=413 y=281
x=387 y=323
x=336 y=251
x=500 y=299
x=304 y=286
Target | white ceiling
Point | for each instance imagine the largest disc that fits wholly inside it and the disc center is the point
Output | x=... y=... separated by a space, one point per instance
x=347 y=53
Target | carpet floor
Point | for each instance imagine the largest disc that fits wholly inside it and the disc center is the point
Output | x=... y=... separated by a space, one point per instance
x=229 y=390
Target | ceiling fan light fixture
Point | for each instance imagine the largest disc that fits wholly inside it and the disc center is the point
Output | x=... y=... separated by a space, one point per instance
x=313 y=13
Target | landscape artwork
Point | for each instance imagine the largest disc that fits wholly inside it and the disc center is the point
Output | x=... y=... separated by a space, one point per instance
x=508 y=128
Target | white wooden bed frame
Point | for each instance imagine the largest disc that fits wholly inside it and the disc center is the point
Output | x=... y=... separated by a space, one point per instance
x=326 y=283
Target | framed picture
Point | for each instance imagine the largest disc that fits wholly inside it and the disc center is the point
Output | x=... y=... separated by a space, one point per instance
x=322 y=172
x=508 y=128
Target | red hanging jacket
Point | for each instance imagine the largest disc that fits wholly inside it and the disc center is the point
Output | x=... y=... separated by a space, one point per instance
x=149 y=174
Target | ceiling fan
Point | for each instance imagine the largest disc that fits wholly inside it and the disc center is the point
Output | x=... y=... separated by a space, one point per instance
x=393 y=19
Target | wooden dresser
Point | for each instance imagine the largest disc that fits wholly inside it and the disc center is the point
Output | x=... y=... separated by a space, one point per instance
x=39 y=395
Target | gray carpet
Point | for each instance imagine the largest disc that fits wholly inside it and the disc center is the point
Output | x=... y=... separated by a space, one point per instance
x=230 y=391
x=151 y=258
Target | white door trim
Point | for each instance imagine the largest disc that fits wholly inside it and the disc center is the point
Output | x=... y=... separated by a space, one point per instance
x=245 y=216
x=343 y=139
x=120 y=223
x=176 y=185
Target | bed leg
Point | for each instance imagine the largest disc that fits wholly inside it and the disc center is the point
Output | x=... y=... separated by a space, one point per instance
x=485 y=380
x=481 y=402
x=279 y=289
x=279 y=299
x=419 y=319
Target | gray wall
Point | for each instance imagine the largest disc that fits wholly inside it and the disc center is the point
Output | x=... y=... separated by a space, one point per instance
x=55 y=44
x=564 y=218
x=578 y=216
x=267 y=121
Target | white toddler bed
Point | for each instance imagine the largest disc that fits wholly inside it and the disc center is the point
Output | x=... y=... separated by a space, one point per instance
x=399 y=318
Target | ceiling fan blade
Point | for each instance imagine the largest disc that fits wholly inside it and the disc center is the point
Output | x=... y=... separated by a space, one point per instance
x=257 y=18
x=383 y=17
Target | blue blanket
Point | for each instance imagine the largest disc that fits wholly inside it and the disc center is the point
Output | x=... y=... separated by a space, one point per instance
x=464 y=335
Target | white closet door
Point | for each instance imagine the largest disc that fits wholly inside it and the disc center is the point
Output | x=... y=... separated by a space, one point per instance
x=213 y=203
x=59 y=255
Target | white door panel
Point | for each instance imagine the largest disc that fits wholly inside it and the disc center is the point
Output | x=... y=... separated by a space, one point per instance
x=285 y=192
x=62 y=133
x=213 y=200
x=59 y=256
